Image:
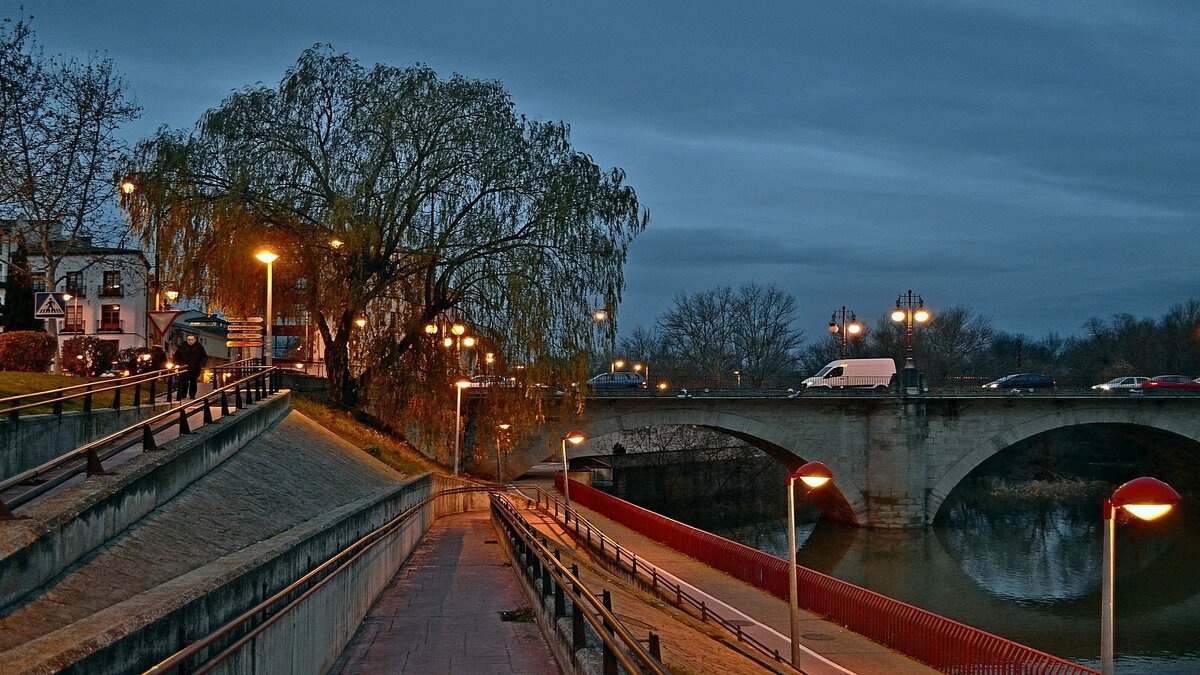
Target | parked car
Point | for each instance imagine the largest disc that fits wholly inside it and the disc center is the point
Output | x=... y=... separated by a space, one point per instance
x=618 y=380
x=1170 y=382
x=1119 y=383
x=1023 y=381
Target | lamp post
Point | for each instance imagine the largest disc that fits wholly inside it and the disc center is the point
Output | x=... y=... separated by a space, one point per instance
x=847 y=330
x=172 y=296
x=504 y=427
x=575 y=438
x=639 y=367
x=615 y=365
x=269 y=257
x=814 y=475
x=908 y=310
x=458 y=387
x=1145 y=498
x=738 y=374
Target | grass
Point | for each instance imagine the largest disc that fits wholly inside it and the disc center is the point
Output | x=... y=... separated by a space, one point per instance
x=14 y=383
x=356 y=429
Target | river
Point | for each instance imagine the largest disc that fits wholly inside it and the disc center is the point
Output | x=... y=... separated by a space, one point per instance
x=1019 y=558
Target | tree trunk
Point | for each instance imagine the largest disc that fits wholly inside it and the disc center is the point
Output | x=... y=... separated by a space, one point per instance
x=342 y=388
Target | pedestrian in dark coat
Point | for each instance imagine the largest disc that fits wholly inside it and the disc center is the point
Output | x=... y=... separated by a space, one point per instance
x=190 y=357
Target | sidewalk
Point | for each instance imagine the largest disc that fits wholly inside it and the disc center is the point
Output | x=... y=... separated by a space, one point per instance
x=441 y=613
x=834 y=643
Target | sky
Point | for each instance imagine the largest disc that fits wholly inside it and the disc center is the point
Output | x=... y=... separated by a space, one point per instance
x=1037 y=161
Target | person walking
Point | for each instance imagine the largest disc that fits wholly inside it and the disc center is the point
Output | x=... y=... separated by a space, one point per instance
x=190 y=357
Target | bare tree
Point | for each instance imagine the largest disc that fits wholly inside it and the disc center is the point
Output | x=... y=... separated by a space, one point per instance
x=698 y=329
x=764 y=338
x=58 y=146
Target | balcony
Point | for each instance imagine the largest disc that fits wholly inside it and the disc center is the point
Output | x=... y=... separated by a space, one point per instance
x=112 y=326
x=80 y=292
x=112 y=292
x=71 y=329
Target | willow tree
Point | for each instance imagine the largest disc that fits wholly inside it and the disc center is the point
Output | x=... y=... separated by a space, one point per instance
x=394 y=195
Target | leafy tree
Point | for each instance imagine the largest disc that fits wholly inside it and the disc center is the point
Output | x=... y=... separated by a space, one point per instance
x=18 y=294
x=391 y=193
x=58 y=145
x=88 y=355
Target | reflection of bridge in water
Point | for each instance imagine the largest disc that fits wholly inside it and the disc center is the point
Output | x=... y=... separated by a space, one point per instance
x=894 y=460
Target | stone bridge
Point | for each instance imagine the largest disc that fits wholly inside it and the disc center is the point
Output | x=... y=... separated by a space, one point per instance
x=894 y=460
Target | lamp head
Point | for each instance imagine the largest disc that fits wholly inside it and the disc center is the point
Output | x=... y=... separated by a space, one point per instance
x=458 y=329
x=468 y=342
x=922 y=315
x=336 y=243
x=128 y=186
x=619 y=363
x=505 y=426
x=898 y=314
x=854 y=328
x=574 y=437
x=600 y=315
x=1146 y=498
x=448 y=342
x=172 y=296
x=813 y=474
x=360 y=322
x=266 y=255
x=462 y=384
x=430 y=329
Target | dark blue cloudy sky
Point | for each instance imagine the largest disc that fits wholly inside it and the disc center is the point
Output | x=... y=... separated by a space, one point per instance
x=1035 y=160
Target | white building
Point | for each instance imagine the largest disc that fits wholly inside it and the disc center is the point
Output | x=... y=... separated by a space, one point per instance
x=108 y=289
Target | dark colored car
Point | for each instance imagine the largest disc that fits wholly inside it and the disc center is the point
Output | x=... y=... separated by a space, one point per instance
x=1023 y=381
x=617 y=380
x=1170 y=382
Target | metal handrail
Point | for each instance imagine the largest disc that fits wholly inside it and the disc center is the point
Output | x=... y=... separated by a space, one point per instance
x=89 y=389
x=650 y=572
x=335 y=564
x=266 y=384
x=624 y=646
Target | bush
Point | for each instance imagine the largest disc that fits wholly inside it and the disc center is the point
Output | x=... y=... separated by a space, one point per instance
x=87 y=355
x=27 y=351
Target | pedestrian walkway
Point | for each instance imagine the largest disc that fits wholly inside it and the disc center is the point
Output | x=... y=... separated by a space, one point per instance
x=827 y=641
x=441 y=615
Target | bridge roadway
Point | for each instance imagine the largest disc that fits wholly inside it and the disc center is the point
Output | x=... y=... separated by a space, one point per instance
x=894 y=460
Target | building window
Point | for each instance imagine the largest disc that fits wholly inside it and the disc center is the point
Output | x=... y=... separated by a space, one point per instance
x=73 y=321
x=110 y=318
x=112 y=284
x=38 y=284
x=74 y=284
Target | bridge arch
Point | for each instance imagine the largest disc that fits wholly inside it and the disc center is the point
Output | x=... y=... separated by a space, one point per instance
x=846 y=504
x=998 y=442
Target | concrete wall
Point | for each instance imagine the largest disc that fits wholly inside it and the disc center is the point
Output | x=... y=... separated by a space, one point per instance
x=63 y=529
x=36 y=439
x=307 y=639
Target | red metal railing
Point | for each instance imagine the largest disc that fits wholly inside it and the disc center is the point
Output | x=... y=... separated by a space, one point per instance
x=942 y=643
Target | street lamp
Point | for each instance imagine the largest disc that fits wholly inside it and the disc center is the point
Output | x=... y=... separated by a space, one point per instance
x=575 y=438
x=269 y=257
x=814 y=475
x=600 y=315
x=1145 y=498
x=458 y=387
x=908 y=310
x=738 y=375
x=172 y=296
x=504 y=427
x=616 y=365
x=847 y=330
x=639 y=367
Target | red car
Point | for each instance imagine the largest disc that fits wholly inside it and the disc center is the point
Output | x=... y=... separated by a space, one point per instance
x=1170 y=382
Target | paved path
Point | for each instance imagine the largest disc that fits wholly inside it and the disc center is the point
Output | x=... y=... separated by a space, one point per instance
x=441 y=613
x=831 y=642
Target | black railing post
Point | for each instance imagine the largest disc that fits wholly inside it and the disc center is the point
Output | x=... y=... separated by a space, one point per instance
x=58 y=404
x=578 y=636
x=170 y=386
x=237 y=396
x=94 y=468
x=183 y=423
x=117 y=398
x=224 y=403
x=148 y=442
x=153 y=386
x=87 y=399
x=13 y=415
x=610 y=659
x=137 y=394
x=208 y=418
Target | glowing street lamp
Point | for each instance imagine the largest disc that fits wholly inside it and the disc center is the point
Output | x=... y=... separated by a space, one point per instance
x=600 y=315
x=616 y=365
x=360 y=322
x=172 y=296
x=814 y=475
x=639 y=367
x=574 y=438
x=1145 y=498
x=268 y=257
x=847 y=330
x=908 y=310
x=504 y=427
x=458 y=387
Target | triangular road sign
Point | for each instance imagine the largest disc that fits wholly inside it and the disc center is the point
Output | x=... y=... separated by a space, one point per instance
x=49 y=306
x=161 y=321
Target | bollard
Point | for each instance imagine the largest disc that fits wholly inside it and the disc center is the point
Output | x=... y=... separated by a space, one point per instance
x=655 y=648
x=148 y=442
x=183 y=423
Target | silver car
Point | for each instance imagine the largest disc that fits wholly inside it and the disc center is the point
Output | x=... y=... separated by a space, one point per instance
x=1118 y=383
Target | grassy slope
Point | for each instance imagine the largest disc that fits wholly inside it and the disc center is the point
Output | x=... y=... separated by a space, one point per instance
x=13 y=383
x=386 y=447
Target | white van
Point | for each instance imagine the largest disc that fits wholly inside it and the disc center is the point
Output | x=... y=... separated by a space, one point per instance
x=854 y=373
